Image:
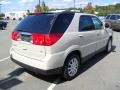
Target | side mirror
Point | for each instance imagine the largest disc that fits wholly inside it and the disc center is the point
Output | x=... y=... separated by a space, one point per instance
x=107 y=25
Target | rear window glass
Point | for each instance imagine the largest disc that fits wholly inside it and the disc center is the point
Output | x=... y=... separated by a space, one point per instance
x=36 y=24
x=62 y=22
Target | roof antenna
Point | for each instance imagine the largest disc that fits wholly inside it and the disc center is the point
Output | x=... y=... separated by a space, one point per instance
x=74 y=5
x=39 y=5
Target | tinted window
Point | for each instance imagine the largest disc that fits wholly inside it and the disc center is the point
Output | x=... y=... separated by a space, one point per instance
x=62 y=22
x=36 y=23
x=86 y=23
x=97 y=23
x=108 y=17
x=118 y=16
x=1 y=18
x=113 y=17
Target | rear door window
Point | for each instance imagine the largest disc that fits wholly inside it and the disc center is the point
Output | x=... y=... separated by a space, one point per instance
x=62 y=22
x=86 y=23
x=36 y=24
x=108 y=17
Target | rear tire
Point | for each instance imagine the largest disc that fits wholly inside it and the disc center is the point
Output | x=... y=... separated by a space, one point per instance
x=71 y=66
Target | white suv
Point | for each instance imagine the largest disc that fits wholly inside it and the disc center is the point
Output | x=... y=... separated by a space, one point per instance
x=50 y=43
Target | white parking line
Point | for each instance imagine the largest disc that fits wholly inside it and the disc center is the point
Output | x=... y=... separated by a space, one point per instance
x=4 y=59
x=52 y=86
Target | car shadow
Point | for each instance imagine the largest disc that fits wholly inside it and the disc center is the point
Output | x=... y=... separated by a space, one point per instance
x=12 y=80
x=3 y=29
x=94 y=60
x=116 y=30
x=49 y=78
x=91 y=62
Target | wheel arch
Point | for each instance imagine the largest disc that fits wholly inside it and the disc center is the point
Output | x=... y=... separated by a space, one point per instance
x=111 y=37
x=74 y=52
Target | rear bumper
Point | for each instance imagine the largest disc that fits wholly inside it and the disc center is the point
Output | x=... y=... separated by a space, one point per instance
x=51 y=64
x=39 y=71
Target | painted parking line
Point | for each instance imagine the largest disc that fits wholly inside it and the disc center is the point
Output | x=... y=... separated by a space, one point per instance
x=4 y=59
x=52 y=86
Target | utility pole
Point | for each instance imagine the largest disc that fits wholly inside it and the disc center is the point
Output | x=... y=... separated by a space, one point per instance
x=74 y=5
x=39 y=6
x=0 y=8
x=39 y=2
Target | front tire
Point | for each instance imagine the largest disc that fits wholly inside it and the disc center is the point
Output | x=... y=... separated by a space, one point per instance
x=2 y=28
x=71 y=67
x=109 y=46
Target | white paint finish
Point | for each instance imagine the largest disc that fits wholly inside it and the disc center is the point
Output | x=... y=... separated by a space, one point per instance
x=29 y=50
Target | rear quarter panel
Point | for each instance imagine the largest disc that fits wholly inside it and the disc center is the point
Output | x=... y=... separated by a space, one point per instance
x=69 y=41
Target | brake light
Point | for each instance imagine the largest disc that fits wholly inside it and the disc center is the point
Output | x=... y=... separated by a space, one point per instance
x=46 y=39
x=51 y=39
x=38 y=39
x=15 y=36
x=38 y=13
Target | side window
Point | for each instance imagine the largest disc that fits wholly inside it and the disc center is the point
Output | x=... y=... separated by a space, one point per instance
x=118 y=17
x=97 y=23
x=113 y=17
x=85 y=23
x=62 y=23
x=108 y=17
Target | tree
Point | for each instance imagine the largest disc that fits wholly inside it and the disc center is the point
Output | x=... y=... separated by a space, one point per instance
x=37 y=8
x=42 y=8
x=104 y=10
x=28 y=12
x=89 y=8
x=2 y=14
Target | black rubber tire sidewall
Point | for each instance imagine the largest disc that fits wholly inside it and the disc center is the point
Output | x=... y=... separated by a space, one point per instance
x=108 y=45
x=65 y=68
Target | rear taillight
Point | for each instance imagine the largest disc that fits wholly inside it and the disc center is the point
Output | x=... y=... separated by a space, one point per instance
x=51 y=39
x=15 y=35
x=46 y=39
x=38 y=39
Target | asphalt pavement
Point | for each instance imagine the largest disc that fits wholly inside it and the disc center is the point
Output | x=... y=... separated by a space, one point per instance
x=102 y=72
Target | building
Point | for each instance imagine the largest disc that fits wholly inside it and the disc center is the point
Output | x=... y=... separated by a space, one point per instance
x=16 y=15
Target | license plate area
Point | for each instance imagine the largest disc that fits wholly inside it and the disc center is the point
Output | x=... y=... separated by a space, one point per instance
x=25 y=37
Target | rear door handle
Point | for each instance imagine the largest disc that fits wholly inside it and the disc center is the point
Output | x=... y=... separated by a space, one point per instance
x=80 y=36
